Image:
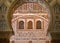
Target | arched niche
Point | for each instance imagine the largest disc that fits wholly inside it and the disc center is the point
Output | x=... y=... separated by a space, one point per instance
x=30 y=25
x=18 y=3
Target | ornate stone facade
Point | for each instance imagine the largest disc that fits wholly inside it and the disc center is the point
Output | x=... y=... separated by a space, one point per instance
x=7 y=7
x=30 y=23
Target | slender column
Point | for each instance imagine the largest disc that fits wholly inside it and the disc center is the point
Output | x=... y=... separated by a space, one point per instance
x=26 y=24
x=16 y=27
x=34 y=24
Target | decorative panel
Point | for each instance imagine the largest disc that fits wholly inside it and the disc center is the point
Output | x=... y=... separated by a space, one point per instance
x=57 y=8
x=3 y=9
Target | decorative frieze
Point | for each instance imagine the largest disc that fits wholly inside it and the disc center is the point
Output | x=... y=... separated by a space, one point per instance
x=33 y=38
x=31 y=0
x=31 y=33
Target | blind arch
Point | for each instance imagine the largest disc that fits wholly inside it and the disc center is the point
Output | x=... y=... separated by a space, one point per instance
x=30 y=25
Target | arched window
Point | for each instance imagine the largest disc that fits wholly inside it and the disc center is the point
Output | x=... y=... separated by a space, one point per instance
x=38 y=25
x=21 y=25
x=30 y=25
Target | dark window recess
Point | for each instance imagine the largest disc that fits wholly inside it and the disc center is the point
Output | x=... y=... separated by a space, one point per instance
x=38 y=25
x=21 y=25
